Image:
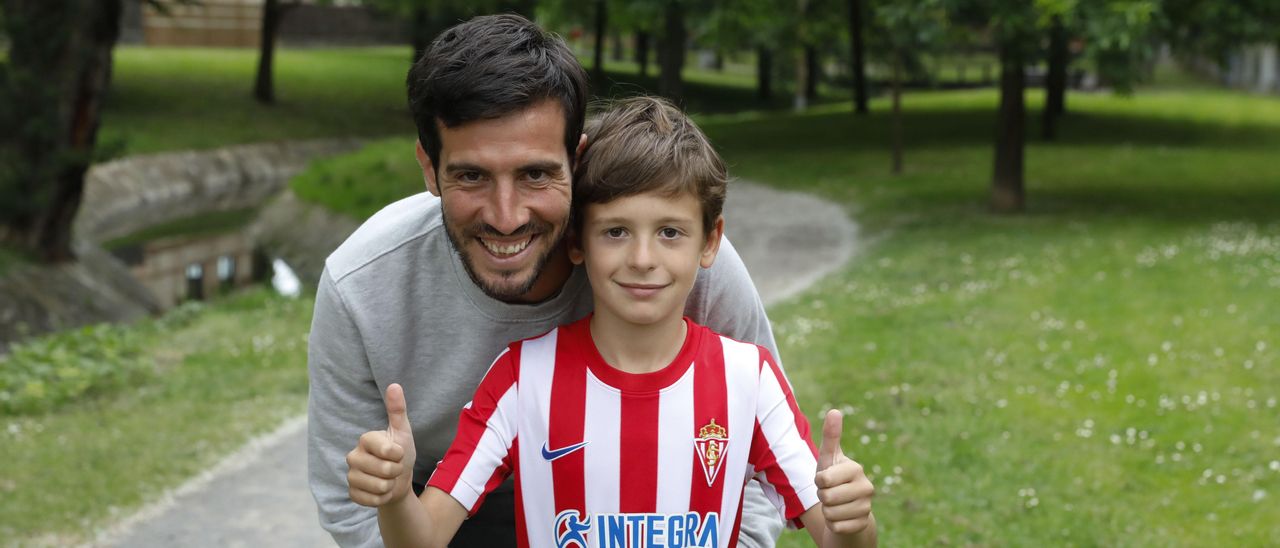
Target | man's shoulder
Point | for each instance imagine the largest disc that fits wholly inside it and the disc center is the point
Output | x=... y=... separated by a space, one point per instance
x=399 y=229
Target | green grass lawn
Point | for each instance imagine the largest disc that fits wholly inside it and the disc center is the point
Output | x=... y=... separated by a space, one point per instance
x=1101 y=370
x=208 y=385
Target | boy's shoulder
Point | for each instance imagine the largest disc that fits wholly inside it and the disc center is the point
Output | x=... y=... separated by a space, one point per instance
x=733 y=348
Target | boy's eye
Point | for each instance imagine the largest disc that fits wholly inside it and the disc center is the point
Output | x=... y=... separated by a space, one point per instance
x=615 y=232
x=669 y=233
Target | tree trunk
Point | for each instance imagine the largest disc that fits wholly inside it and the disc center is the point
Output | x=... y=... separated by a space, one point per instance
x=857 y=66
x=59 y=67
x=1007 y=192
x=897 y=114
x=1055 y=82
x=419 y=31
x=619 y=52
x=800 y=97
x=264 y=84
x=764 y=74
x=602 y=17
x=813 y=72
x=671 y=53
x=642 y=52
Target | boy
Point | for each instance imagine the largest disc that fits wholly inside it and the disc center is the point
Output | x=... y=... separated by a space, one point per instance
x=633 y=426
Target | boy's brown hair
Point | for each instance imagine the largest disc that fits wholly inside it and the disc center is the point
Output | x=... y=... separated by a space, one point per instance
x=646 y=144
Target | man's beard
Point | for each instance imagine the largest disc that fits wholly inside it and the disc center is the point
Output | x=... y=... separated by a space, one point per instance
x=496 y=290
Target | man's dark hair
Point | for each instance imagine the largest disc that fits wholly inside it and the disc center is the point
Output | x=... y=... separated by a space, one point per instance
x=489 y=67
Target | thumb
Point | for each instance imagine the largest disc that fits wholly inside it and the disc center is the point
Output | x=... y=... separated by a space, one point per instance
x=832 y=426
x=397 y=412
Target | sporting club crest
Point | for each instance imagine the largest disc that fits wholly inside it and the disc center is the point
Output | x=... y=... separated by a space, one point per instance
x=711 y=443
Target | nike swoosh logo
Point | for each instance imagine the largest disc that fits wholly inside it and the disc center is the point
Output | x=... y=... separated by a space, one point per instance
x=553 y=455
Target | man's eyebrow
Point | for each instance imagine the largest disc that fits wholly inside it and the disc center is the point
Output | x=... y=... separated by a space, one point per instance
x=463 y=166
x=548 y=166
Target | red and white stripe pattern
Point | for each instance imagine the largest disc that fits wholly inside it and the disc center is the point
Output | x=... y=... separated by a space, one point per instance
x=547 y=395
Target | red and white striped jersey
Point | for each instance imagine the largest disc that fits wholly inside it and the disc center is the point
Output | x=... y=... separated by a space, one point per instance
x=604 y=458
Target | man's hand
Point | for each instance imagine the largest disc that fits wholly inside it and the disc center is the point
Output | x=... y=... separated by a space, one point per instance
x=843 y=487
x=381 y=465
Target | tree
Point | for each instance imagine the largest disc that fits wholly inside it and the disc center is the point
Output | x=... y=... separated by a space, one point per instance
x=857 y=66
x=51 y=88
x=671 y=52
x=905 y=30
x=273 y=13
x=602 y=18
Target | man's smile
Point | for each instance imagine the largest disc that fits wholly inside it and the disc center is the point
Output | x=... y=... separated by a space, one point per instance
x=504 y=249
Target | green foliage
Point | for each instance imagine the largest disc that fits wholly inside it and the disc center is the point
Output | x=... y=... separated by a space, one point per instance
x=41 y=374
x=360 y=183
x=223 y=372
x=1216 y=27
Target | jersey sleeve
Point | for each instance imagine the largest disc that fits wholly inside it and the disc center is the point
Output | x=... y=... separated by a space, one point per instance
x=481 y=455
x=782 y=451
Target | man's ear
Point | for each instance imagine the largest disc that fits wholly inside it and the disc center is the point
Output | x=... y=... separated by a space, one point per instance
x=712 y=246
x=573 y=243
x=582 y=146
x=428 y=169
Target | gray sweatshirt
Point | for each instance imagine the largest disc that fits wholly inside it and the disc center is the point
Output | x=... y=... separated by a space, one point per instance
x=394 y=305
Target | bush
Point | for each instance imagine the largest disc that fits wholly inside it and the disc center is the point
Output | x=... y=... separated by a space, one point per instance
x=41 y=374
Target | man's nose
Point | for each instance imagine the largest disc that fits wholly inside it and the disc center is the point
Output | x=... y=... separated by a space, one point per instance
x=506 y=211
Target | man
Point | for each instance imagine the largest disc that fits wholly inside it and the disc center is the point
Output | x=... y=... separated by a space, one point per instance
x=429 y=290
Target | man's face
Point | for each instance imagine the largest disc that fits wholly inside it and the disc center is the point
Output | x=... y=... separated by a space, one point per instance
x=505 y=190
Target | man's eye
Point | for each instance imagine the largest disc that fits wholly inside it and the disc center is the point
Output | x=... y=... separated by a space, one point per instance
x=536 y=174
x=615 y=232
x=469 y=176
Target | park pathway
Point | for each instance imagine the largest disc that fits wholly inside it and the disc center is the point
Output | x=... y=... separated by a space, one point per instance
x=259 y=496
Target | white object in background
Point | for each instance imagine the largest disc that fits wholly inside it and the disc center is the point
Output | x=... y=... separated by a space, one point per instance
x=284 y=280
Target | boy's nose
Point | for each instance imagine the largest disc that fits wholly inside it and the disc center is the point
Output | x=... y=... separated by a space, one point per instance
x=641 y=256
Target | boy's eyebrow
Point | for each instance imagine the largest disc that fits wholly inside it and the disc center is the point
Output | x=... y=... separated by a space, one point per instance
x=625 y=220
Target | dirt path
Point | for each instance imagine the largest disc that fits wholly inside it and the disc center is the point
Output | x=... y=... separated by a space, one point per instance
x=259 y=496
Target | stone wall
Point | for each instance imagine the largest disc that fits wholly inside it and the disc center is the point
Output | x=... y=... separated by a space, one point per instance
x=127 y=195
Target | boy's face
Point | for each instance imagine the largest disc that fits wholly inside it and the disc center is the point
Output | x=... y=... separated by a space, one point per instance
x=642 y=254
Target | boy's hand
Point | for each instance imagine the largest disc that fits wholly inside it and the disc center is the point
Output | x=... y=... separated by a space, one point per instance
x=381 y=465
x=843 y=488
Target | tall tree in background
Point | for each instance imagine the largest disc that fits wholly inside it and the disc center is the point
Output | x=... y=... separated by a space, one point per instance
x=904 y=31
x=601 y=26
x=671 y=50
x=857 y=63
x=52 y=84
x=1055 y=80
x=273 y=12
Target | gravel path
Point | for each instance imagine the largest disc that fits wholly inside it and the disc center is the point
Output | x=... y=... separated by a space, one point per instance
x=259 y=496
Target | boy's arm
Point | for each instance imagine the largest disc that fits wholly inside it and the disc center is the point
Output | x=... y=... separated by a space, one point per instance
x=430 y=520
x=843 y=518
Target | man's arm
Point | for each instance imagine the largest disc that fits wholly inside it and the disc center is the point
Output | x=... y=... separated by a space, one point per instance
x=725 y=300
x=344 y=403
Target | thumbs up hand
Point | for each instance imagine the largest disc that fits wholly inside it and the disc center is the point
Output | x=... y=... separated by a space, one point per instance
x=380 y=468
x=843 y=487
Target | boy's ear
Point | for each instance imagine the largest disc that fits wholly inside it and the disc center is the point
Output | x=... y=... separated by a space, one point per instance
x=573 y=243
x=577 y=155
x=712 y=246
x=428 y=169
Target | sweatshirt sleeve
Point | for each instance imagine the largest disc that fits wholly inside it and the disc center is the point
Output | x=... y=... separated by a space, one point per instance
x=344 y=403
x=482 y=454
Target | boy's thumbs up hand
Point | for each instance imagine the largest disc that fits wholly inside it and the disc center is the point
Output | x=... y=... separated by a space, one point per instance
x=381 y=465
x=843 y=487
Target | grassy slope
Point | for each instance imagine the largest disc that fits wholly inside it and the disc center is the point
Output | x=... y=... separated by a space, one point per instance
x=214 y=384
x=1099 y=370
